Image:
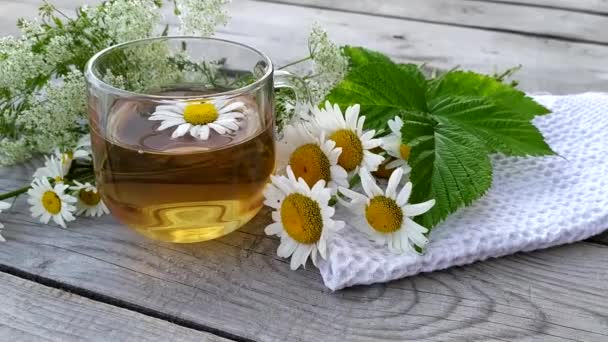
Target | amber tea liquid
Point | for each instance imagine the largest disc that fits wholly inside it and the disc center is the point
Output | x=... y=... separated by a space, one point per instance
x=183 y=189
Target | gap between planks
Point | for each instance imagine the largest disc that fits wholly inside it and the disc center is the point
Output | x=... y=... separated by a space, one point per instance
x=98 y=297
x=558 y=24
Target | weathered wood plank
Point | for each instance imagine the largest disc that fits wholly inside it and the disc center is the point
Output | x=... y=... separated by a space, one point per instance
x=33 y=312
x=591 y=6
x=534 y=21
x=238 y=285
x=548 y=65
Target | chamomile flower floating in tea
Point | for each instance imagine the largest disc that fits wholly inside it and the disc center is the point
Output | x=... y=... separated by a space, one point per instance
x=3 y=206
x=199 y=117
x=302 y=218
x=312 y=158
x=386 y=216
x=392 y=144
x=347 y=131
x=51 y=202
x=89 y=201
x=53 y=168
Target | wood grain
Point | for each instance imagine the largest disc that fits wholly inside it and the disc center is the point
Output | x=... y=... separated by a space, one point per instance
x=589 y=6
x=33 y=312
x=237 y=284
x=502 y=17
x=549 y=65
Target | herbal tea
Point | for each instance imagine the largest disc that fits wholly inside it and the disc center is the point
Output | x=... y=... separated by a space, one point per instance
x=182 y=189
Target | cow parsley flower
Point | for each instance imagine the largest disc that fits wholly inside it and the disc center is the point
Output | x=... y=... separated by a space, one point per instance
x=125 y=20
x=329 y=63
x=201 y=17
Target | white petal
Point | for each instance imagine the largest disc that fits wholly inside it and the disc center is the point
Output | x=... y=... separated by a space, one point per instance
x=219 y=129
x=203 y=132
x=287 y=247
x=411 y=225
x=181 y=130
x=418 y=209
x=372 y=161
x=404 y=194
x=166 y=124
x=395 y=125
x=300 y=256
x=273 y=229
x=393 y=182
x=230 y=124
x=395 y=163
x=369 y=184
x=231 y=107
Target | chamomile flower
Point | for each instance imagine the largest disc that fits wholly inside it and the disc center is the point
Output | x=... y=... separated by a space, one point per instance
x=3 y=206
x=386 y=216
x=311 y=158
x=83 y=148
x=347 y=131
x=54 y=167
x=394 y=147
x=89 y=202
x=302 y=218
x=199 y=117
x=51 y=202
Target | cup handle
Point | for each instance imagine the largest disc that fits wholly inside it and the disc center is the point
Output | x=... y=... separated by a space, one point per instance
x=285 y=79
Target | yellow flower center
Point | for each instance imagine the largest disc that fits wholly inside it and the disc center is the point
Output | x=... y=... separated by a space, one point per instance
x=383 y=214
x=301 y=218
x=51 y=202
x=200 y=113
x=352 y=149
x=310 y=163
x=404 y=151
x=90 y=198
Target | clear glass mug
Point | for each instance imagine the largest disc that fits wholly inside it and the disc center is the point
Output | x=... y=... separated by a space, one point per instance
x=182 y=132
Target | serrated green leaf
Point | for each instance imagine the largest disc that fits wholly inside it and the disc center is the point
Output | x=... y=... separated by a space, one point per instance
x=358 y=56
x=499 y=129
x=383 y=90
x=467 y=83
x=449 y=166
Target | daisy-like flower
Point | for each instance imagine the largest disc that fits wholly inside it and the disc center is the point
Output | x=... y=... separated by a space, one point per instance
x=347 y=131
x=89 y=202
x=302 y=218
x=394 y=147
x=83 y=148
x=51 y=202
x=54 y=167
x=199 y=117
x=311 y=158
x=3 y=206
x=386 y=216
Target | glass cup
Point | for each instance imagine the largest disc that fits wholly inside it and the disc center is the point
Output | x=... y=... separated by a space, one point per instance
x=182 y=132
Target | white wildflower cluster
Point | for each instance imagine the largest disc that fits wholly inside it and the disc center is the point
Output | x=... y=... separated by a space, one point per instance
x=329 y=67
x=65 y=98
x=201 y=17
x=42 y=91
x=329 y=63
x=320 y=158
x=18 y=64
x=125 y=20
x=3 y=206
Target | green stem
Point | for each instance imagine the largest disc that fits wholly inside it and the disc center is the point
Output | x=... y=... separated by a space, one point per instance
x=14 y=193
x=296 y=62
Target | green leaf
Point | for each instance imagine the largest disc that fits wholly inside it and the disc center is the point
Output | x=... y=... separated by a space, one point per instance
x=358 y=56
x=448 y=165
x=499 y=129
x=383 y=90
x=467 y=83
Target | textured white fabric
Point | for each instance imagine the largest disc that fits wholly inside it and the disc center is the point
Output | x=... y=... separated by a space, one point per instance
x=533 y=203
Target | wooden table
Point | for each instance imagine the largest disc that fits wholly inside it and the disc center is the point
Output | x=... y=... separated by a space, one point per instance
x=98 y=281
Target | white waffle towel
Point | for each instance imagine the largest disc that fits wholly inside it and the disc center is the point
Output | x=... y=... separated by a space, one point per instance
x=533 y=203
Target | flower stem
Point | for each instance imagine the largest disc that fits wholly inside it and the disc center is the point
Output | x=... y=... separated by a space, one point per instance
x=14 y=193
x=296 y=62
